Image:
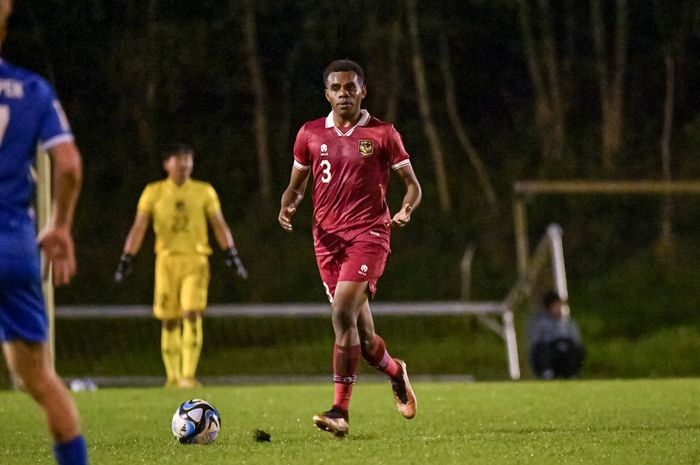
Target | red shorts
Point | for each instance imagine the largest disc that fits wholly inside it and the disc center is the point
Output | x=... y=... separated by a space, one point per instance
x=360 y=260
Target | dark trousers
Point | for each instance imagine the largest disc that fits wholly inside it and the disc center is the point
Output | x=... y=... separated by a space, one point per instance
x=561 y=358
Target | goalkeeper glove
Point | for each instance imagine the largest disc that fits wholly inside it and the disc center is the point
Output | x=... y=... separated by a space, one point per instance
x=232 y=259
x=124 y=268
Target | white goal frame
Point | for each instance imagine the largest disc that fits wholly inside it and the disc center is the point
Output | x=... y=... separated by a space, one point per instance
x=488 y=312
x=526 y=190
x=43 y=214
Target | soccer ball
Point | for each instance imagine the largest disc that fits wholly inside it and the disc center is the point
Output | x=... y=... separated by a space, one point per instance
x=196 y=421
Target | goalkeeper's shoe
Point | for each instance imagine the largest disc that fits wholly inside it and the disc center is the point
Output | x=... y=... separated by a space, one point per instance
x=405 y=399
x=188 y=383
x=335 y=421
x=170 y=384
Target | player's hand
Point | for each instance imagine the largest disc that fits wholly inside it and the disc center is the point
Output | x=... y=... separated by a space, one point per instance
x=124 y=268
x=58 y=247
x=402 y=217
x=232 y=259
x=285 y=217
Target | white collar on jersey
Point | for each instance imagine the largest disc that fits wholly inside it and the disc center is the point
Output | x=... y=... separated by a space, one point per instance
x=364 y=119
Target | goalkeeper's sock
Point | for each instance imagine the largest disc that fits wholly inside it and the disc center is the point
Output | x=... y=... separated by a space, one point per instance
x=192 y=341
x=345 y=363
x=170 y=347
x=379 y=358
x=73 y=452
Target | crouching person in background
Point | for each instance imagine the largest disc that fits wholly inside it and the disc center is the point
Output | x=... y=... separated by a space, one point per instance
x=554 y=341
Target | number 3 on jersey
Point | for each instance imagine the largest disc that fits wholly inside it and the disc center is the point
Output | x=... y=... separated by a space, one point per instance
x=325 y=171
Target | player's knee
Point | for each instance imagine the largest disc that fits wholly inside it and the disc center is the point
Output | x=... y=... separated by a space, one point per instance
x=40 y=384
x=343 y=317
x=368 y=344
x=193 y=316
x=171 y=325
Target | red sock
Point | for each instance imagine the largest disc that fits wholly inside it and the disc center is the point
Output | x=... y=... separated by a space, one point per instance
x=379 y=358
x=345 y=363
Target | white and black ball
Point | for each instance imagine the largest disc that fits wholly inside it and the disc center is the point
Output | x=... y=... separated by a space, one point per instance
x=196 y=421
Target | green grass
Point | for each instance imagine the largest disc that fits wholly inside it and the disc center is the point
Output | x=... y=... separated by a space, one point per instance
x=590 y=422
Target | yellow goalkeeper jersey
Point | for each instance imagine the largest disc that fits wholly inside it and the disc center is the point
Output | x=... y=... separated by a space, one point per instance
x=180 y=215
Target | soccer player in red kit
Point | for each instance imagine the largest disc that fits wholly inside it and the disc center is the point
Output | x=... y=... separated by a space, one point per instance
x=350 y=155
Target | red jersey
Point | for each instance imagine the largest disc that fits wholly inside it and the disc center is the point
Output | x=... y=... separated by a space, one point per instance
x=351 y=171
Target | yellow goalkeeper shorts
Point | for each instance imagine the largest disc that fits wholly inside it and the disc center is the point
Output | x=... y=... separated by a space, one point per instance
x=181 y=285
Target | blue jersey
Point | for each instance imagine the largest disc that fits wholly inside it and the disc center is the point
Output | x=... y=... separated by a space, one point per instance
x=30 y=117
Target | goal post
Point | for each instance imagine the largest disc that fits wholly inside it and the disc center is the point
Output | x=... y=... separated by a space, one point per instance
x=43 y=214
x=525 y=190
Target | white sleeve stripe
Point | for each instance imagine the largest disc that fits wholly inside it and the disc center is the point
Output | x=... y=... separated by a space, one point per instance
x=401 y=164
x=54 y=141
x=300 y=167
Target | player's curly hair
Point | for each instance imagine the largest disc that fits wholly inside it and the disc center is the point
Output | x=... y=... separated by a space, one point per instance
x=343 y=65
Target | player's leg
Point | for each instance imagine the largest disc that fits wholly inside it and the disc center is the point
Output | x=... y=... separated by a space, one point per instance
x=193 y=300
x=335 y=420
x=192 y=341
x=23 y=332
x=166 y=308
x=374 y=351
x=373 y=347
x=368 y=258
x=171 y=350
x=347 y=301
x=30 y=362
x=348 y=298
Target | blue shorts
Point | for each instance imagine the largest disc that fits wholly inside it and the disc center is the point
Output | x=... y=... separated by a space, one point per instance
x=22 y=312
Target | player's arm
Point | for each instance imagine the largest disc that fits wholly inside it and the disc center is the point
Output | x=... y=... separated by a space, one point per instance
x=222 y=232
x=224 y=238
x=132 y=245
x=56 y=239
x=292 y=196
x=137 y=232
x=411 y=199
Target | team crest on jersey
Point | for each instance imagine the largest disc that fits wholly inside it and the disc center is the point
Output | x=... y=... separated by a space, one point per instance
x=324 y=150
x=366 y=148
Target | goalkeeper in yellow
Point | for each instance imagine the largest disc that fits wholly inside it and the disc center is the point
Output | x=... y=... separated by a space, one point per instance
x=180 y=208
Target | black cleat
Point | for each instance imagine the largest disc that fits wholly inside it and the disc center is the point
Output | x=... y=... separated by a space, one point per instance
x=405 y=399
x=335 y=421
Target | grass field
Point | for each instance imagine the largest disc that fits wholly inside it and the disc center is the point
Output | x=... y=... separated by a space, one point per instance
x=590 y=422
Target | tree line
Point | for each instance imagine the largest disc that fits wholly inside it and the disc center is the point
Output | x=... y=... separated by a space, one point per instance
x=484 y=93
